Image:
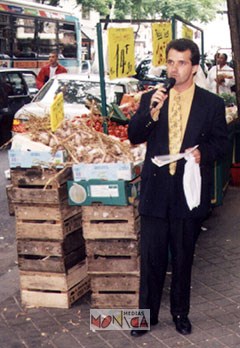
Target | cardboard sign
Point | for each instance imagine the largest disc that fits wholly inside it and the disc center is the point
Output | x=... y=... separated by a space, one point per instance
x=56 y=111
x=187 y=33
x=121 y=52
x=161 y=36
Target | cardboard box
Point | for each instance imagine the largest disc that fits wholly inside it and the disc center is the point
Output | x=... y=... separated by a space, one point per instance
x=109 y=192
x=106 y=171
x=28 y=159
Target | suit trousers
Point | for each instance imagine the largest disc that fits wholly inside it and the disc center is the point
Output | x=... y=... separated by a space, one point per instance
x=158 y=237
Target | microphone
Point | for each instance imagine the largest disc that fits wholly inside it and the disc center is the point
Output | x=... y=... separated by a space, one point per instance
x=168 y=84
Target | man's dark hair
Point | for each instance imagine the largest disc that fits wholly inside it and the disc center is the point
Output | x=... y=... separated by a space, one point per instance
x=182 y=45
x=225 y=56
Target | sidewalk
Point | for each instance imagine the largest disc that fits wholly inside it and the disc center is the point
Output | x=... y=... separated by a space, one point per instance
x=215 y=310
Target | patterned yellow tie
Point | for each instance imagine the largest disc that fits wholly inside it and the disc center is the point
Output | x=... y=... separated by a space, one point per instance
x=175 y=130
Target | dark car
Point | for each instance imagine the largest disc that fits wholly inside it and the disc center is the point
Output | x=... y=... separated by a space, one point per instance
x=17 y=87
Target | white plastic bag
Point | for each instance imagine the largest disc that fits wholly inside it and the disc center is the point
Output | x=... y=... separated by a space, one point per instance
x=192 y=182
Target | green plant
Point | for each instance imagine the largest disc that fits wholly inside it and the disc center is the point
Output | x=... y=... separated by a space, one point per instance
x=229 y=99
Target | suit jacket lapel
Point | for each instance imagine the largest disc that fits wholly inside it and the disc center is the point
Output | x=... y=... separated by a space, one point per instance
x=196 y=119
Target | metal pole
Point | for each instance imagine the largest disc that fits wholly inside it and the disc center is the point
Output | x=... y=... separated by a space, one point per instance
x=102 y=76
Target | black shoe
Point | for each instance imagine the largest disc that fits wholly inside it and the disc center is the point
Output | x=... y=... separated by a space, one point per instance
x=183 y=324
x=138 y=333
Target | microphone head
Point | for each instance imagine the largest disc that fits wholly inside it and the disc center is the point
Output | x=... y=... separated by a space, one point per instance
x=169 y=83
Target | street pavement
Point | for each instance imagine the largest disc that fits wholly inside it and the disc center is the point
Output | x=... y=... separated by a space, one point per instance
x=215 y=303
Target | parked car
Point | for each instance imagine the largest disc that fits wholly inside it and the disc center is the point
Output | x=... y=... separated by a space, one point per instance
x=76 y=89
x=17 y=87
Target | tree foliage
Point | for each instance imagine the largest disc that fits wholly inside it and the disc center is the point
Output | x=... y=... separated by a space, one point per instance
x=200 y=10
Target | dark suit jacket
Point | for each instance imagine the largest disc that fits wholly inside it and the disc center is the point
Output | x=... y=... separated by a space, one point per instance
x=206 y=127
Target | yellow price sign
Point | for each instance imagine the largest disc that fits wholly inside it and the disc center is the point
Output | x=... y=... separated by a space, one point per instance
x=121 y=52
x=161 y=36
x=56 y=112
x=187 y=33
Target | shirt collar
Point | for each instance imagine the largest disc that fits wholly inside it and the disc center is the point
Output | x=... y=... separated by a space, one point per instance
x=185 y=94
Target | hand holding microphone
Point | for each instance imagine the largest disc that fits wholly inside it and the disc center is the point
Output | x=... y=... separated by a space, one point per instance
x=168 y=84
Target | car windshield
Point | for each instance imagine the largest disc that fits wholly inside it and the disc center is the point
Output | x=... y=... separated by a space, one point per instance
x=30 y=81
x=76 y=91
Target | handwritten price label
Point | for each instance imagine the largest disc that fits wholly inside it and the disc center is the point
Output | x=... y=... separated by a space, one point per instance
x=161 y=36
x=56 y=112
x=187 y=33
x=121 y=52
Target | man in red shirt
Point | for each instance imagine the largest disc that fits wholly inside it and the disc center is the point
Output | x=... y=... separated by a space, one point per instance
x=49 y=70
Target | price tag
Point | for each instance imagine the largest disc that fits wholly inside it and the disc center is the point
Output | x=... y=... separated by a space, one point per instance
x=56 y=112
x=187 y=33
x=121 y=52
x=161 y=36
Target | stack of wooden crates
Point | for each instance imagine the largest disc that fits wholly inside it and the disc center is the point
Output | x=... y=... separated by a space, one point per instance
x=50 y=244
x=112 y=245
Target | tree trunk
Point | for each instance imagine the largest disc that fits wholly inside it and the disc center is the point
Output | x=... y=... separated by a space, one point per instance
x=234 y=23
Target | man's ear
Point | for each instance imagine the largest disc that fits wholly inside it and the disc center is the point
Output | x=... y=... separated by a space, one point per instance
x=195 y=69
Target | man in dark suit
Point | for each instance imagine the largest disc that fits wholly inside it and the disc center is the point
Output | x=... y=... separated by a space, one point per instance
x=166 y=219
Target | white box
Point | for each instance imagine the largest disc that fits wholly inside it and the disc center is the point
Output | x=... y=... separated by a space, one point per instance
x=28 y=159
x=105 y=171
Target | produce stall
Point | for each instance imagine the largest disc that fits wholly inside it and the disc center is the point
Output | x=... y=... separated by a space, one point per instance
x=75 y=197
x=68 y=240
x=222 y=172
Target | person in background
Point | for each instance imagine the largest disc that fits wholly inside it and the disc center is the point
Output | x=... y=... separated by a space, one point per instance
x=167 y=221
x=49 y=70
x=220 y=77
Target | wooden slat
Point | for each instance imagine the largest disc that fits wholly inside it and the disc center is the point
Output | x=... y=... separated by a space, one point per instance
x=53 y=281
x=51 y=263
x=106 y=265
x=47 y=229
x=39 y=195
x=110 y=222
x=115 y=282
x=50 y=247
x=114 y=247
x=58 y=212
x=53 y=299
x=37 y=176
x=121 y=300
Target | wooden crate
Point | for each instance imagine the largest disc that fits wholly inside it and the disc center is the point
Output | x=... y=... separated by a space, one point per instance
x=40 y=177
x=112 y=256
x=113 y=264
x=50 y=281
x=112 y=247
x=28 y=212
x=39 y=194
x=43 y=229
x=113 y=283
x=51 y=255
x=54 y=290
x=115 y=291
x=110 y=222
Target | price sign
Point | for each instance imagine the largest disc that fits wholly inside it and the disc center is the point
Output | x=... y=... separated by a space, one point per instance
x=121 y=52
x=56 y=112
x=187 y=33
x=161 y=36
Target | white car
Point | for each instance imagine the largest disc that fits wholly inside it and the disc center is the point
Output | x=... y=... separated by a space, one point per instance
x=75 y=88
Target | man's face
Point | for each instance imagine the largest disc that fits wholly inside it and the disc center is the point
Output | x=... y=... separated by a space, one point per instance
x=221 y=60
x=180 y=67
x=53 y=59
